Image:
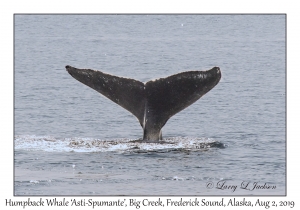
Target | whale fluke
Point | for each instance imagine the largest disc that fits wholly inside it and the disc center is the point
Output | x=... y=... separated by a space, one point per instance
x=155 y=101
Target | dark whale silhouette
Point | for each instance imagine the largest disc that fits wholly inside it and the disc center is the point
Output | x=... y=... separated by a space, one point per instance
x=155 y=101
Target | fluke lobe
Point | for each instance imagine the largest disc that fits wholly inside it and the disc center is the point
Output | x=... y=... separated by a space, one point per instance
x=155 y=101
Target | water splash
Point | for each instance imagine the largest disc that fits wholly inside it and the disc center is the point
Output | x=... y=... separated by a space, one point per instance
x=52 y=144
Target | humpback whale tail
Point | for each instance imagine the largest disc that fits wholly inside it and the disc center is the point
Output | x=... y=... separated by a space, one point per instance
x=153 y=102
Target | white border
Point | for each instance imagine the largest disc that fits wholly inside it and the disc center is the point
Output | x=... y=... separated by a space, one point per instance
x=8 y=8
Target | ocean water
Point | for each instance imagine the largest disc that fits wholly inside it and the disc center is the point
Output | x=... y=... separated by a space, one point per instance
x=69 y=140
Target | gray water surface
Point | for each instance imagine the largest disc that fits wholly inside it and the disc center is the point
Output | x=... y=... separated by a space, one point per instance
x=232 y=136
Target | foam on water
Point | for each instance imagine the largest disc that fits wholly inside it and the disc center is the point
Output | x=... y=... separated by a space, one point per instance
x=52 y=144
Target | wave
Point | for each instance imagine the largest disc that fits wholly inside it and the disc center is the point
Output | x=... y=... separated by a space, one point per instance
x=52 y=144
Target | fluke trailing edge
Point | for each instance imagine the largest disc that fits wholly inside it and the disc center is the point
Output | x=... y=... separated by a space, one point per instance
x=155 y=101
